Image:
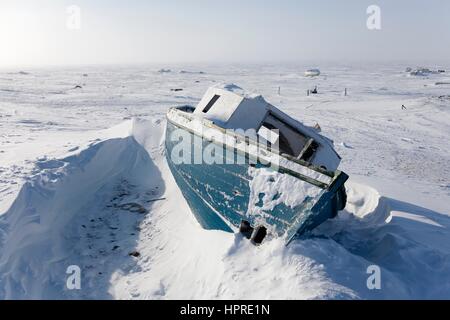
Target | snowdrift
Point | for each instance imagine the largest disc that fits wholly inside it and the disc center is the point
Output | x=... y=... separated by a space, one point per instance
x=117 y=197
x=41 y=232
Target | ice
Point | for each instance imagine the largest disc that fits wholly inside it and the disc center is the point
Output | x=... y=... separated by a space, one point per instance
x=80 y=167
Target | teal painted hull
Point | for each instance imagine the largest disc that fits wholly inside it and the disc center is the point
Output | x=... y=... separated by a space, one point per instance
x=219 y=195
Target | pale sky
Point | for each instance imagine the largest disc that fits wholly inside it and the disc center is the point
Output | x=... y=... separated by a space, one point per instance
x=35 y=32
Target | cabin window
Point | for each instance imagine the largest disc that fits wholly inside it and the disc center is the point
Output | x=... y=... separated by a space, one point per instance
x=211 y=103
x=290 y=140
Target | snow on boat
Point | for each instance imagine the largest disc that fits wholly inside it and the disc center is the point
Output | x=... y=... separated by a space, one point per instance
x=244 y=165
x=312 y=73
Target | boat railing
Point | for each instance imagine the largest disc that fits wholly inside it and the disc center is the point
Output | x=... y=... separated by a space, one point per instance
x=333 y=175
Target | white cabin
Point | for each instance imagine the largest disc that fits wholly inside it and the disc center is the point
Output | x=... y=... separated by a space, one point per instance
x=229 y=107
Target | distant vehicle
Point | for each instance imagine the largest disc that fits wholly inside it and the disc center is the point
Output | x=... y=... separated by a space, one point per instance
x=312 y=73
x=423 y=72
x=245 y=192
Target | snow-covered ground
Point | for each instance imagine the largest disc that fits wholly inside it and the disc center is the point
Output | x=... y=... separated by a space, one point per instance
x=83 y=181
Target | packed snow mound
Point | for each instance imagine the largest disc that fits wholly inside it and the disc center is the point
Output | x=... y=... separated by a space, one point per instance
x=42 y=230
x=231 y=87
x=116 y=197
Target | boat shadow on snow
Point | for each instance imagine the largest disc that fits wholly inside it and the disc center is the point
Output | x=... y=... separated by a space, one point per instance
x=85 y=212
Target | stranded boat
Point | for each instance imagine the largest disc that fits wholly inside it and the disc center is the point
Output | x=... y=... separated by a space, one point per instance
x=244 y=165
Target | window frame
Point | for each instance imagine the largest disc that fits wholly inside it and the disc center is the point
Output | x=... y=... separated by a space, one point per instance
x=211 y=103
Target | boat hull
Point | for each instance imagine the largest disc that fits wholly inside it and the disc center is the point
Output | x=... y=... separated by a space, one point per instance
x=219 y=195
